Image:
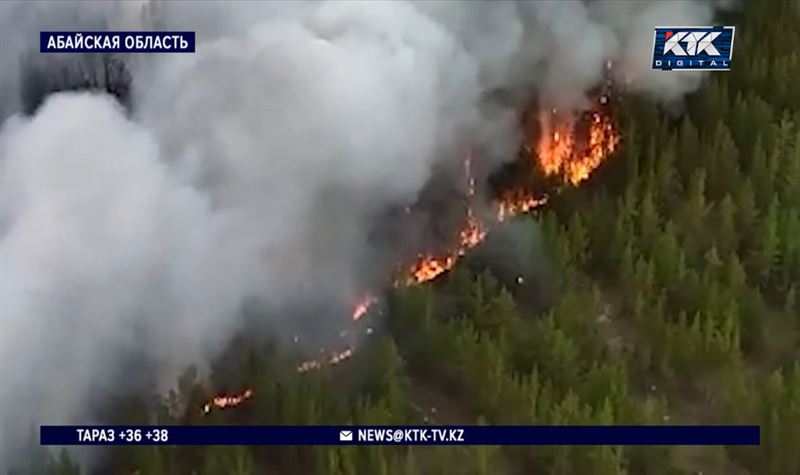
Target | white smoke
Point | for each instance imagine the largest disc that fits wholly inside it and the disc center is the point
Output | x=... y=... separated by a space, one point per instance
x=633 y=23
x=106 y=252
x=252 y=168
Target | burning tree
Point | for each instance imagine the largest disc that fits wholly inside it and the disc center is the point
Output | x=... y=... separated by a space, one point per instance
x=572 y=148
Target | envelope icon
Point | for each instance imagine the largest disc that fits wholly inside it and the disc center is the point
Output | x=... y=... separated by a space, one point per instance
x=346 y=435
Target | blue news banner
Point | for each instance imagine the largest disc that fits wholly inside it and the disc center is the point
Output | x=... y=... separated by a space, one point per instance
x=400 y=435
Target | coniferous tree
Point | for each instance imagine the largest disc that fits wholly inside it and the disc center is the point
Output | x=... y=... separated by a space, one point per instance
x=766 y=246
x=693 y=212
x=727 y=237
x=746 y=210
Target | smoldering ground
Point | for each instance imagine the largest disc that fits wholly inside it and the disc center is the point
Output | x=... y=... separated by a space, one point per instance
x=255 y=169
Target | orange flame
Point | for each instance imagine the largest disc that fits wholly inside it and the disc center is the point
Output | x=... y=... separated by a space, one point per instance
x=224 y=401
x=559 y=154
x=428 y=267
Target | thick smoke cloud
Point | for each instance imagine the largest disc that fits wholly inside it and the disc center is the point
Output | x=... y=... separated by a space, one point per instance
x=253 y=169
x=106 y=253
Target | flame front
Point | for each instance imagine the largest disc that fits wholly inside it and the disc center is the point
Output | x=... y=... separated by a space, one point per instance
x=428 y=266
x=224 y=401
x=557 y=155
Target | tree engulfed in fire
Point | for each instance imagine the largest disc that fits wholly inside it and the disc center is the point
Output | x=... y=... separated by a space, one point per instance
x=559 y=152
